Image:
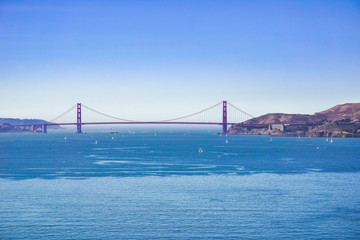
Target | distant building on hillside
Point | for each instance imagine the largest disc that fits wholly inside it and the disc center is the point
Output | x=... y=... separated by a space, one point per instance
x=277 y=126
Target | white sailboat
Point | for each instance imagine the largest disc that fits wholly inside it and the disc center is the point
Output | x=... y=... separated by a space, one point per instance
x=331 y=141
x=200 y=150
x=96 y=142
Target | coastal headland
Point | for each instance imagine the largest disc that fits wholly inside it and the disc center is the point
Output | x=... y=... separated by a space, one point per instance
x=339 y=121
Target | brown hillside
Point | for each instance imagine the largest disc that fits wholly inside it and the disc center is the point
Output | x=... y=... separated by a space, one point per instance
x=339 y=121
x=339 y=112
x=343 y=111
x=275 y=118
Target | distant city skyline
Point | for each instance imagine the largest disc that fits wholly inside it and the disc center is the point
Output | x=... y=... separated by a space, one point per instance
x=163 y=59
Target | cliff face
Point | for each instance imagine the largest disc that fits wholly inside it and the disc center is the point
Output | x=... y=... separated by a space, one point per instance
x=339 y=121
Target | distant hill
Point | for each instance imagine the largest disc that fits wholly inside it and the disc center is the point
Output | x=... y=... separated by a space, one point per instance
x=344 y=111
x=9 y=124
x=17 y=121
x=339 y=121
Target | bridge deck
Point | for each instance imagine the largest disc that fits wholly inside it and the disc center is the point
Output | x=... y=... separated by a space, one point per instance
x=130 y=123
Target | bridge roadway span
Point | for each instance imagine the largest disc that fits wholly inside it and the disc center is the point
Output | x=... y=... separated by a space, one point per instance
x=43 y=127
x=80 y=123
x=150 y=122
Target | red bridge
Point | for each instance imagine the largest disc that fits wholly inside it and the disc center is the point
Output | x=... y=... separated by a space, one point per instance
x=239 y=117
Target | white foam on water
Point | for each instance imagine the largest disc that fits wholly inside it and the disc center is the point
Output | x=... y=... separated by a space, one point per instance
x=314 y=169
x=203 y=167
x=216 y=152
x=125 y=161
x=240 y=168
x=230 y=154
x=113 y=161
x=119 y=148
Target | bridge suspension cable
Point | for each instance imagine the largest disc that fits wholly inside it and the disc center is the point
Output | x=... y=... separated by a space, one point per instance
x=63 y=114
x=247 y=114
x=190 y=115
x=106 y=115
x=167 y=120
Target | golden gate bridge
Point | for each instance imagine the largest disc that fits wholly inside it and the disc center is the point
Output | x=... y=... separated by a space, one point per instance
x=238 y=116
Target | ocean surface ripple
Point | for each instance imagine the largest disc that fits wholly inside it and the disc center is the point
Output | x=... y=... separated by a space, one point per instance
x=147 y=186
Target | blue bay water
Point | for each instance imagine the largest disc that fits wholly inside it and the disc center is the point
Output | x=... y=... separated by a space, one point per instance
x=158 y=186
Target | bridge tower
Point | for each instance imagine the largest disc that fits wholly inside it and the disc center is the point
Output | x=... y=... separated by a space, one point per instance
x=224 y=124
x=78 y=118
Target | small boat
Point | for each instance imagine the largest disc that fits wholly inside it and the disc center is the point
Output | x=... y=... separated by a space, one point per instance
x=112 y=138
x=331 y=141
x=327 y=139
x=200 y=150
x=64 y=138
x=226 y=141
x=96 y=142
x=270 y=140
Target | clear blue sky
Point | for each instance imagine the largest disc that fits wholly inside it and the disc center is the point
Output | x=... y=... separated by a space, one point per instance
x=156 y=59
